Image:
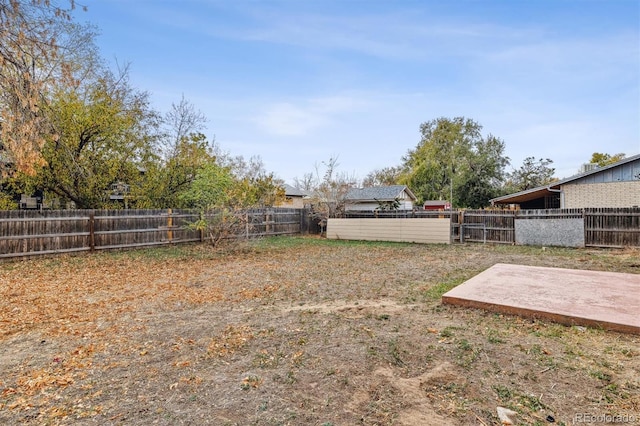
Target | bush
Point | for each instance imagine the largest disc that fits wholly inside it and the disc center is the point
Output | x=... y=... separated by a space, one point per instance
x=222 y=226
x=7 y=203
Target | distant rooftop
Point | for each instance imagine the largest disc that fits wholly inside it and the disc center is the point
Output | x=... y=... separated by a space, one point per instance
x=291 y=191
x=380 y=193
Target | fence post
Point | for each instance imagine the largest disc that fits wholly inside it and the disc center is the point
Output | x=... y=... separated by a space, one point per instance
x=515 y=216
x=169 y=225
x=461 y=226
x=246 y=225
x=92 y=231
x=267 y=221
x=201 y=217
x=584 y=223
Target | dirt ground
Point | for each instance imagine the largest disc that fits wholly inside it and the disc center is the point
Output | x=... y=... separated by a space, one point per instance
x=299 y=331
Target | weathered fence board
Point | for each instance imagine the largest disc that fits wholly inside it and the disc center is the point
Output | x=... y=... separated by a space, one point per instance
x=485 y=226
x=32 y=233
x=274 y=222
x=612 y=227
x=43 y=231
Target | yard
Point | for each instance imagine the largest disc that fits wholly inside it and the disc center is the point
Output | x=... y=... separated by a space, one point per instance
x=298 y=331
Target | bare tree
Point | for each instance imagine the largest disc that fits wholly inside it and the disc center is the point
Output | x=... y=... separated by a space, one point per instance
x=306 y=183
x=329 y=194
x=182 y=120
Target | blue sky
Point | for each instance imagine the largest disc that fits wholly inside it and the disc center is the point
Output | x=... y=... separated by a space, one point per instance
x=297 y=82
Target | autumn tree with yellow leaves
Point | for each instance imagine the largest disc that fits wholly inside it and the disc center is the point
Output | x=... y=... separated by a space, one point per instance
x=40 y=51
x=73 y=129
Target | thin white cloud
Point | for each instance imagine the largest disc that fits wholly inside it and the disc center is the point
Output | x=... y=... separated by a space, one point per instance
x=573 y=58
x=404 y=33
x=398 y=36
x=305 y=117
x=286 y=119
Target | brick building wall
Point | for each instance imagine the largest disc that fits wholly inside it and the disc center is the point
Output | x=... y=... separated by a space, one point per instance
x=611 y=194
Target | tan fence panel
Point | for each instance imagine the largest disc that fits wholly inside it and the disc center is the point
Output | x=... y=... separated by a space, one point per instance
x=428 y=231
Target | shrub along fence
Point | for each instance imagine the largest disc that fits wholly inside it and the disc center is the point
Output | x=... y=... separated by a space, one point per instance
x=32 y=233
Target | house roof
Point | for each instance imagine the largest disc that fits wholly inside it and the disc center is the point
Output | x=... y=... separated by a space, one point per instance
x=290 y=191
x=435 y=202
x=523 y=196
x=541 y=191
x=378 y=193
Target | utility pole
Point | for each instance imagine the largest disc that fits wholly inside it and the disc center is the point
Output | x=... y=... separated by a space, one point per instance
x=453 y=152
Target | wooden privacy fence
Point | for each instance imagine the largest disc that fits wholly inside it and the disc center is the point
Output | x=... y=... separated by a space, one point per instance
x=266 y=222
x=30 y=233
x=612 y=227
x=603 y=227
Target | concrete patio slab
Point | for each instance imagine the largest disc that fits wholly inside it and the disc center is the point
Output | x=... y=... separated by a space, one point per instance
x=610 y=300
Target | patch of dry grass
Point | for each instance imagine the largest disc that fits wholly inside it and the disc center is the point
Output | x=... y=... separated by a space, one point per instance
x=297 y=331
